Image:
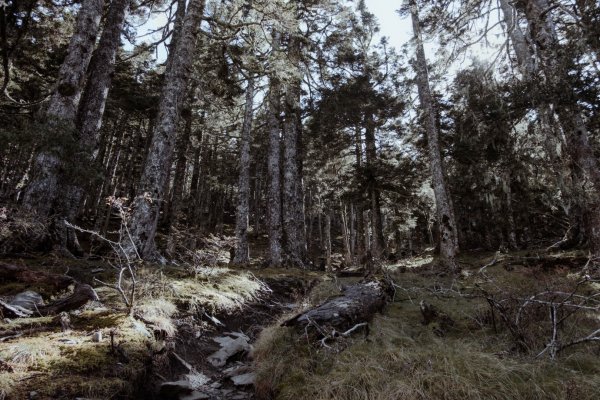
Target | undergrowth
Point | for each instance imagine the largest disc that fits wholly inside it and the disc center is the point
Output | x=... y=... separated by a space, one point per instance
x=404 y=359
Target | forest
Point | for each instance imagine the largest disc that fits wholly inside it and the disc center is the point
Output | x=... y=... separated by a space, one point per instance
x=272 y=199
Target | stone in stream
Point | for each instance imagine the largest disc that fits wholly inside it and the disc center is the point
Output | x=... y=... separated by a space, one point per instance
x=241 y=375
x=244 y=379
x=232 y=344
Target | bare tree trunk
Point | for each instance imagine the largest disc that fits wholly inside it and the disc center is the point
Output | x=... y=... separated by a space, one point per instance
x=143 y=223
x=242 y=216
x=43 y=191
x=445 y=212
x=274 y=167
x=177 y=28
x=512 y=236
x=328 y=238
x=197 y=169
x=293 y=215
x=102 y=66
x=360 y=248
x=377 y=241
x=174 y=204
x=91 y=107
x=525 y=59
x=346 y=233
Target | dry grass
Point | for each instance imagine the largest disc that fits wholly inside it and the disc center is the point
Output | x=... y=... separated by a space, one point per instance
x=57 y=370
x=403 y=359
x=228 y=292
x=158 y=313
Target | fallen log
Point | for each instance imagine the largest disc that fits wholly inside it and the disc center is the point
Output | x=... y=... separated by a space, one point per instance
x=81 y=295
x=26 y=306
x=357 y=304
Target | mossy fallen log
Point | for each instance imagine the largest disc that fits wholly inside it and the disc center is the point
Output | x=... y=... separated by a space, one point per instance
x=357 y=304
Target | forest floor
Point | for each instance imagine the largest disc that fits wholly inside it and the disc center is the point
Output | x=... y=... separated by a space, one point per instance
x=471 y=349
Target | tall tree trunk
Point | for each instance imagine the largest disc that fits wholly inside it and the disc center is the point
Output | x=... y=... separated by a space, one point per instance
x=525 y=59
x=512 y=236
x=293 y=214
x=360 y=248
x=445 y=212
x=242 y=216
x=377 y=241
x=102 y=66
x=174 y=204
x=146 y=206
x=346 y=234
x=43 y=191
x=328 y=238
x=274 y=167
x=193 y=198
x=91 y=107
x=177 y=28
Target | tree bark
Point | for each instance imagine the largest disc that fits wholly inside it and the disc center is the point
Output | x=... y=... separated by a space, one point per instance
x=242 y=252
x=328 y=249
x=293 y=215
x=274 y=167
x=377 y=241
x=146 y=207
x=525 y=60
x=357 y=304
x=174 y=204
x=359 y=249
x=44 y=190
x=100 y=71
x=445 y=212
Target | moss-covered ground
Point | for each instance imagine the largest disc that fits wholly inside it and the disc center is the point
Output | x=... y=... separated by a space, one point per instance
x=37 y=356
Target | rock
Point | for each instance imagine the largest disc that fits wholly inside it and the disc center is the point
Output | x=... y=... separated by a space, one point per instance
x=14 y=311
x=244 y=379
x=33 y=395
x=234 y=343
x=28 y=300
x=70 y=342
x=175 y=390
x=238 y=369
x=97 y=337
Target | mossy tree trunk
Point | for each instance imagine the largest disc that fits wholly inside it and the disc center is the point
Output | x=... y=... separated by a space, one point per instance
x=448 y=239
x=151 y=193
x=293 y=205
x=275 y=257
x=242 y=252
x=52 y=192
